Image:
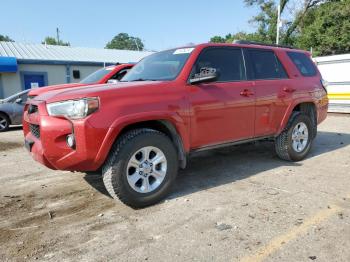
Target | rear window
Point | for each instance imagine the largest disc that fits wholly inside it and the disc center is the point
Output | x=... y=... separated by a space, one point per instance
x=97 y=76
x=266 y=65
x=304 y=64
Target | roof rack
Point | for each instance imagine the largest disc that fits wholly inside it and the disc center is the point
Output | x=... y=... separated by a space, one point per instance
x=245 y=42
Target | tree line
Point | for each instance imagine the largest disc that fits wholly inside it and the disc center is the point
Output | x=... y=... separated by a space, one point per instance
x=121 y=41
x=320 y=25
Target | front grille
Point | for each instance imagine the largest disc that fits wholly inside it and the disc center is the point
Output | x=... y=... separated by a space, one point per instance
x=32 y=109
x=35 y=130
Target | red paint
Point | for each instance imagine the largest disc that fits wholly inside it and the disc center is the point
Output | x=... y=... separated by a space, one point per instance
x=115 y=69
x=202 y=114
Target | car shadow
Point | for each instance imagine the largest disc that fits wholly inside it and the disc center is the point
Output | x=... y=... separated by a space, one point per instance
x=14 y=128
x=213 y=168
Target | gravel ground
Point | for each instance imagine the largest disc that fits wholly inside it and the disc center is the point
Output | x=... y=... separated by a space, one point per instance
x=235 y=204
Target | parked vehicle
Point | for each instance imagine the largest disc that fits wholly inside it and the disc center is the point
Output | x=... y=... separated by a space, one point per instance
x=101 y=76
x=174 y=103
x=11 y=110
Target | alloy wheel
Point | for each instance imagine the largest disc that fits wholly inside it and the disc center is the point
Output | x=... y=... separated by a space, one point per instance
x=146 y=169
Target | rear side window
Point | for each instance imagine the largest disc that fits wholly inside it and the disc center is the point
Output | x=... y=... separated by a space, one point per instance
x=228 y=63
x=304 y=64
x=266 y=65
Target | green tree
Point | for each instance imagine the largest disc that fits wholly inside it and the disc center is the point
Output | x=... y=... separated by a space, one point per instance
x=323 y=25
x=52 y=41
x=125 y=42
x=217 y=39
x=266 y=20
x=326 y=28
x=5 y=38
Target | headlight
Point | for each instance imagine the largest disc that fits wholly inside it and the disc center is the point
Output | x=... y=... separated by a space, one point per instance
x=74 y=109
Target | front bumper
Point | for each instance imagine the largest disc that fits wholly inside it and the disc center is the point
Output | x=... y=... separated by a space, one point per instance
x=45 y=138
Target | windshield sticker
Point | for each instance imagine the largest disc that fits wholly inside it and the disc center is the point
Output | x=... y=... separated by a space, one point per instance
x=183 y=51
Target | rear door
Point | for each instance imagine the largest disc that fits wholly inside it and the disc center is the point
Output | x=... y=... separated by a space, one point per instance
x=272 y=89
x=222 y=111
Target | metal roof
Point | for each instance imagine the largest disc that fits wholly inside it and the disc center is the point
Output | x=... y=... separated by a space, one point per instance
x=66 y=53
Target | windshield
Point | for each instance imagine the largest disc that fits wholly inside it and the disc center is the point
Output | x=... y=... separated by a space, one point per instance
x=161 y=66
x=97 y=76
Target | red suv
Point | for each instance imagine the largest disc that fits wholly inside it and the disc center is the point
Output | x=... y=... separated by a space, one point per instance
x=173 y=103
x=102 y=76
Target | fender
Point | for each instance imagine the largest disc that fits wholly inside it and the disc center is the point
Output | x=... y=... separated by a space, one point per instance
x=290 y=109
x=179 y=127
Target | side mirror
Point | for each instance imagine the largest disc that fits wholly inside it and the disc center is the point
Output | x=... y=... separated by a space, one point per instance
x=18 y=100
x=112 y=81
x=206 y=74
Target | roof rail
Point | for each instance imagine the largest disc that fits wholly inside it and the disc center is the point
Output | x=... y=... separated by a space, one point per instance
x=245 y=42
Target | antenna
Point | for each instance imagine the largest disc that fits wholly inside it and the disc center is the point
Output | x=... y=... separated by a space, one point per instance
x=137 y=46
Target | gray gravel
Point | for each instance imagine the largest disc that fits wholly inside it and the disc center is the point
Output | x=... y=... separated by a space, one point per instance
x=239 y=203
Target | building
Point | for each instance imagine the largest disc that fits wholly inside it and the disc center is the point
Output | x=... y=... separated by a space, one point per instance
x=24 y=66
x=335 y=70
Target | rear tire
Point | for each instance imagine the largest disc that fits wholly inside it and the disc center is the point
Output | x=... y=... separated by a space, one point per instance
x=4 y=122
x=129 y=173
x=294 y=143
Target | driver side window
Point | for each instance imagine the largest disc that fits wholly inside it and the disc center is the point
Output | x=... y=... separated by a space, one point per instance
x=24 y=98
x=120 y=74
x=228 y=62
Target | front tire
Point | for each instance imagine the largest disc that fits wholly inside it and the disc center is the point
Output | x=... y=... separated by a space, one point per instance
x=140 y=168
x=4 y=122
x=294 y=143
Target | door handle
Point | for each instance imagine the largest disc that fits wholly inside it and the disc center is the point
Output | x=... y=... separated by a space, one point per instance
x=246 y=92
x=289 y=89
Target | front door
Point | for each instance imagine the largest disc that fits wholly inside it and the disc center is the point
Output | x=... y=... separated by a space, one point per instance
x=33 y=81
x=222 y=111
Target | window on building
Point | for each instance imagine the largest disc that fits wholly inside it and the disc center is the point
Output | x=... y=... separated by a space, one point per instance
x=76 y=74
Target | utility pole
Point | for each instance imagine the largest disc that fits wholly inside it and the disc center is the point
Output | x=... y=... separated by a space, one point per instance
x=279 y=22
x=137 y=46
x=58 y=35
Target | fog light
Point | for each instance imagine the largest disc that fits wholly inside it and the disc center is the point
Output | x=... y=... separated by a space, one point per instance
x=71 y=141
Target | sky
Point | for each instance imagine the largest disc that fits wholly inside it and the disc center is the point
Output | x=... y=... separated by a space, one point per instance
x=90 y=23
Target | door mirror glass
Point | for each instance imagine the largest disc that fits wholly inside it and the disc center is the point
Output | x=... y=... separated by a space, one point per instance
x=206 y=74
x=18 y=100
x=112 y=81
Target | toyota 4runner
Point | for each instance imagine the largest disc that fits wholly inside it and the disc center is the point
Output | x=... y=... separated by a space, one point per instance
x=173 y=103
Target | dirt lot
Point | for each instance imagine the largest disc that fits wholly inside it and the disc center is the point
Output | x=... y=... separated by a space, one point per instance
x=236 y=204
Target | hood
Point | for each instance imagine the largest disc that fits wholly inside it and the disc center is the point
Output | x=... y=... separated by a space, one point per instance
x=41 y=90
x=101 y=90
